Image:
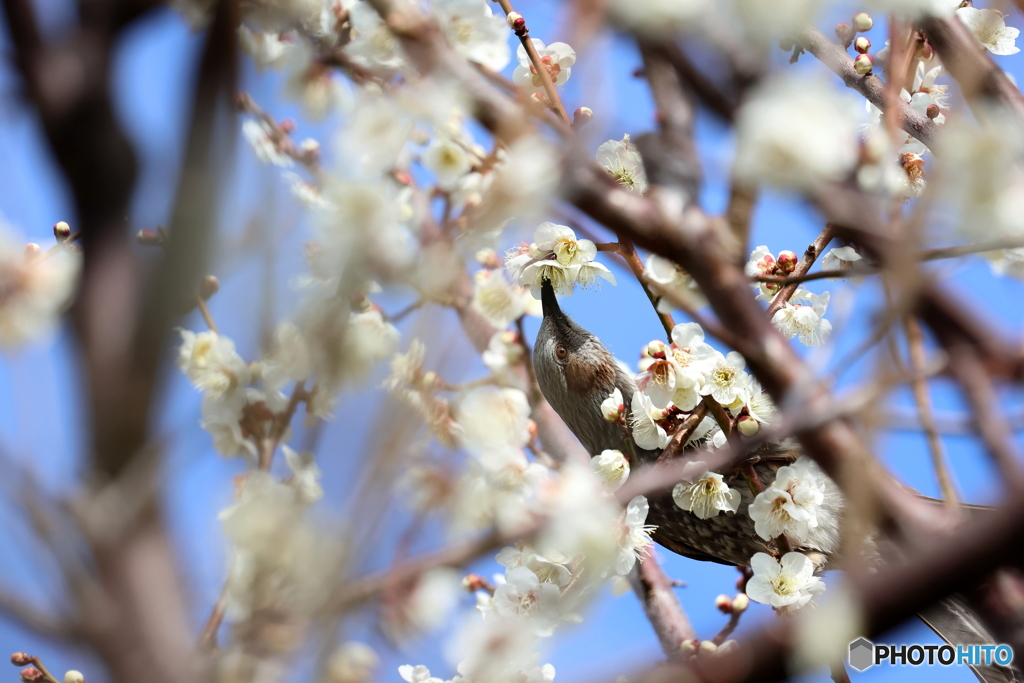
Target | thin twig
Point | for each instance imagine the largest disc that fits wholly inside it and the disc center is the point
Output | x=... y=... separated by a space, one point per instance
x=813 y=251
x=683 y=434
x=205 y=310
x=915 y=340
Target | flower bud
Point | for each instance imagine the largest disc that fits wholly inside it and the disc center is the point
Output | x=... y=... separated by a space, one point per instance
x=688 y=647
x=515 y=21
x=747 y=425
x=932 y=111
x=473 y=582
x=612 y=412
x=208 y=286
x=310 y=146
x=532 y=429
x=862 y=44
x=20 y=658
x=657 y=349
x=707 y=647
x=488 y=258
x=30 y=674
x=724 y=604
x=32 y=250
x=863 y=64
x=862 y=22
x=148 y=238
x=786 y=44
x=925 y=52
x=581 y=117
x=845 y=33
x=61 y=231
x=287 y=125
x=74 y=677
x=787 y=261
x=740 y=603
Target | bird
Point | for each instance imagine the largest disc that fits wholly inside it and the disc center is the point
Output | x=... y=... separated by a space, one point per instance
x=576 y=373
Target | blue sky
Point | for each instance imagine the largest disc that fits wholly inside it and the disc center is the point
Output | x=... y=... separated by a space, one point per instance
x=41 y=416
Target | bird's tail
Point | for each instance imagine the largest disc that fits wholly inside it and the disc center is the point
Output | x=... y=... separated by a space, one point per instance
x=955 y=622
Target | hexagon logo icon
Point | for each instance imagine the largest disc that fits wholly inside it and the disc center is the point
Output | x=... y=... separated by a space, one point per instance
x=862 y=654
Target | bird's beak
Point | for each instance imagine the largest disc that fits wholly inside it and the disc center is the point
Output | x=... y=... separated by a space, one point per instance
x=549 y=300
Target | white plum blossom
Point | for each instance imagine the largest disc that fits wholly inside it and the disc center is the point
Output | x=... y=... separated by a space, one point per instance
x=804 y=319
x=417 y=674
x=795 y=136
x=223 y=420
x=260 y=137
x=666 y=276
x=503 y=352
x=475 y=32
x=611 y=468
x=290 y=360
x=612 y=408
x=647 y=433
x=726 y=381
x=557 y=59
x=499 y=301
x=305 y=475
x=1007 y=262
x=33 y=290
x=556 y=254
x=787 y=585
x=790 y=505
x=547 y=569
x=622 y=160
x=841 y=258
x=373 y=45
x=704 y=493
x=523 y=595
x=210 y=362
x=990 y=29
x=690 y=353
x=636 y=535
x=494 y=420
x=447 y=160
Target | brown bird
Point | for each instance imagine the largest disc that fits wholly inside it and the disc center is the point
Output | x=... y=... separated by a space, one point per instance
x=576 y=373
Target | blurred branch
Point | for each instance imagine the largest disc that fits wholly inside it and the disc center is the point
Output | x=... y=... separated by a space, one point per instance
x=62 y=627
x=915 y=340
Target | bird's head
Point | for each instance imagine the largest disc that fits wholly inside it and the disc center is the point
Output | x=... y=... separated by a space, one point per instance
x=568 y=359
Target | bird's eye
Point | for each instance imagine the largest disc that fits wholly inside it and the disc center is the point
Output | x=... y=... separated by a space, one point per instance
x=561 y=351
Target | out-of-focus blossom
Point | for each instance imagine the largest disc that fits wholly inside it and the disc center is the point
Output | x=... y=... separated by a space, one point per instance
x=795 y=136
x=210 y=362
x=261 y=137
x=557 y=59
x=305 y=475
x=666 y=276
x=499 y=301
x=523 y=595
x=373 y=45
x=475 y=32
x=636 y=535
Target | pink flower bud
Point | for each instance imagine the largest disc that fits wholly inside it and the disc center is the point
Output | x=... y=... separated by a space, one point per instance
x=515 y=21
x=30 y=674
x=747 y=425
x=787 y=261
x=209 y=286
x=925 y=51
x=148 y=238
x=20 y=658
x=845 y=33
x=657 y=349
x=61 y=231
x=473 y=582
x=932 y=111
x=863 y=64
x=724 y=604
x=488 y=258
x=287 y=125
x=581 y=117
x=862 y=22
x=32 y=250
x=862 y=44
